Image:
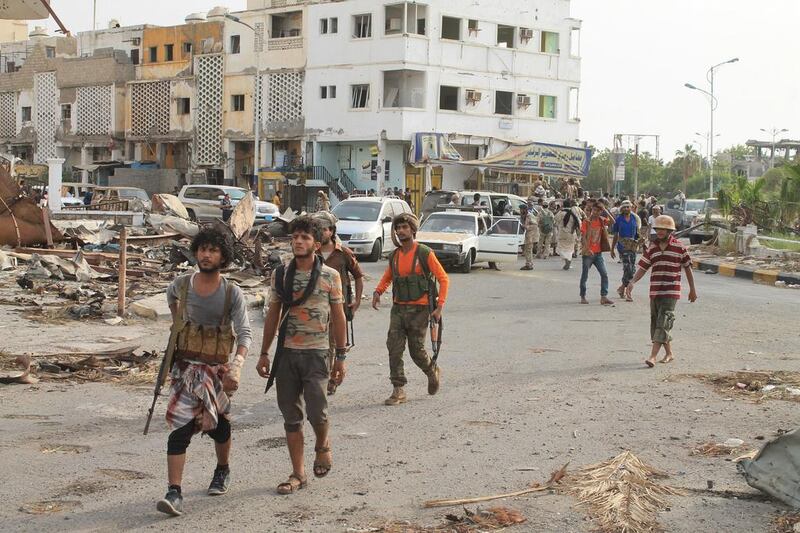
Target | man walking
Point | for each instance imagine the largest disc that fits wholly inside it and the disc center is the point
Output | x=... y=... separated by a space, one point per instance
x=306 y=300
x=546 y=221
x=594 y=241
x=568 y=226
x=626 y=241
x=413 y=270
x=212 y=318
x=342 y=260
x=529 y=222
x=666 y=256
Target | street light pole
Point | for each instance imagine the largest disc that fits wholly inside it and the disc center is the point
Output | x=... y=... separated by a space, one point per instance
x=775 y=132
x=714 y=104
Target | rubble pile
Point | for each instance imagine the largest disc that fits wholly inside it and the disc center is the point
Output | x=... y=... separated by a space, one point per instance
x=755 y=385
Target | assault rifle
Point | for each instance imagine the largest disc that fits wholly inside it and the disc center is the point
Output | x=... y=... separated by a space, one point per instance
x=165 y=369
x=437 y=326
x=348 y=311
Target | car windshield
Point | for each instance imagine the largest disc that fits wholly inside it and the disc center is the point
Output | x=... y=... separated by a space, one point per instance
x=133 y=193
x=694 y=205
x=449 y=224
x=236 y=194
x=357 y=211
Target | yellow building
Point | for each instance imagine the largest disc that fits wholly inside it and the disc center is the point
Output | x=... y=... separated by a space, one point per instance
x=13 y=30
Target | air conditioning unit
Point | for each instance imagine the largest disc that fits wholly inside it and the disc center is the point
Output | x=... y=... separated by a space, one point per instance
x=526 y=34
x=395 y=24
x=523 y=101
x=473 y=96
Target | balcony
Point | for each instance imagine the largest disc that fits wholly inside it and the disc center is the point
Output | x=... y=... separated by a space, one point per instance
x=285 y=43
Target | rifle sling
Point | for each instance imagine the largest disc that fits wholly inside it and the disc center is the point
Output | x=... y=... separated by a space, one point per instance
x=284 y=284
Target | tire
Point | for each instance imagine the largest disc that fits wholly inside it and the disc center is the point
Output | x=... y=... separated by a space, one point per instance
x=377 y=252
x=466 y=267
x=192 y=216
x=695 y=239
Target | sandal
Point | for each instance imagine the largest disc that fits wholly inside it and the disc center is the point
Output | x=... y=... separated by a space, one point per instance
x=322 y=468
x=292 y=485
x=649 y=363
x=667 y=359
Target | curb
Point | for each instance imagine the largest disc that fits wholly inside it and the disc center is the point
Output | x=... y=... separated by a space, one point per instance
x=756 y=275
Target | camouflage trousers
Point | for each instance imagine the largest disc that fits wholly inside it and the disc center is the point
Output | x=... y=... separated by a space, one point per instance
x=545 y=241
x=408 y=323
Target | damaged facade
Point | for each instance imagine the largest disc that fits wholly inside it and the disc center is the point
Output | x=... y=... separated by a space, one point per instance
x=338 y=88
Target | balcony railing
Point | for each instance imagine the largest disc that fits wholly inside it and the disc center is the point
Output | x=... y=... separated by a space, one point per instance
x=285 y=43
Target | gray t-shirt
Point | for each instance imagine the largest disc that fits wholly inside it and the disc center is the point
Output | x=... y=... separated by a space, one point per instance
x=207 y=311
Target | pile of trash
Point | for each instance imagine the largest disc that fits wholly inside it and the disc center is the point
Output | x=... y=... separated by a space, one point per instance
x=121 y=365
x=756 y=385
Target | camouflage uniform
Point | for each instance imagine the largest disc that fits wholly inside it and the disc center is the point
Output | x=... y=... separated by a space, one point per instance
x=531 y=237
x=407 y=322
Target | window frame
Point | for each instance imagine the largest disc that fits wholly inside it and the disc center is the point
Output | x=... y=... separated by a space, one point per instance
x=182 y=101
x=540 y=110
x=513 y=36
x=543 y=42
x=186 y=48
x=497 y=103
x=460 y=29
x=236 y=99
x=152 y=55
x=68 y=114
x=353 y=88
x=458 y=97
x=169 y=52
x=369 y=27
x=235 y=43
x=27 y=110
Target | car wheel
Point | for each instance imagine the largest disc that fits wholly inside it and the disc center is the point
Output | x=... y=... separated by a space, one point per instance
x=695 y=239
x=466 y=267
x=377 y=251
x=192 y=216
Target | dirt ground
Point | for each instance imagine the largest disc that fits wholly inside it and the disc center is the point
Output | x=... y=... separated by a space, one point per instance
x=531 y=380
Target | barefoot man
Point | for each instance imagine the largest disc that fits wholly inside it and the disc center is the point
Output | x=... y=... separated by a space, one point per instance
x=666 y=256
x=306 y=299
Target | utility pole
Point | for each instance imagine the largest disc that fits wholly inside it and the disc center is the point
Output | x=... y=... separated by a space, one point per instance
x=636 y=138
x=636 y=169
x=94 y=15
x=774 y=132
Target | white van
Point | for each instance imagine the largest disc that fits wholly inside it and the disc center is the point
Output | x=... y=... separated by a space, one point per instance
x=365 y=224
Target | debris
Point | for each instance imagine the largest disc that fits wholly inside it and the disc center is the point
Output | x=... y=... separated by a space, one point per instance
x=787 y=523
x=753 y=384
x=117 y=320
x=22 y=222
x=495 y=518
x=51 y=506
x=17 y=371
x=154 y=308
x=621 y=494
x=555 y=478
x=774 y=469
x=729 y=448
x=122 y=474
x=242 y=218
x=7 y=262
x=169 y=204
x=171 y=224
x=64 y=448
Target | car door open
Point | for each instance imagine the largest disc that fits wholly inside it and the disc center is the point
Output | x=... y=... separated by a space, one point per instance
x=500 y=244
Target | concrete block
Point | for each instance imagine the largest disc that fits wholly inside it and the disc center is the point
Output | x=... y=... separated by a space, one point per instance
x=766 y=277
x=727 y=269
x=154 y=308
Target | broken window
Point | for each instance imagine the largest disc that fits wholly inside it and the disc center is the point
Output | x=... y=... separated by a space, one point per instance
x=448 y=98
x=394 y=19
x=26 y=114
x=473 y=27
x=236 y=44
x=237 y=102
x=135 y=56
x=451 y=28
x=547 y=106
x=184 y=106
x=407 y=17
x=362 y=26
x=574 y=99
x=288 y=24
x=505 y=36
x=153 y=54
x=503 y=103
x=187 y=48
x=404 y=88
x=549 y=43
x=359 y=96
x=168 y=52
x=575 y=42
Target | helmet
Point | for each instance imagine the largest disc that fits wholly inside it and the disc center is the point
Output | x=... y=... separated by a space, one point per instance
x=326 y=218
x=664 y=222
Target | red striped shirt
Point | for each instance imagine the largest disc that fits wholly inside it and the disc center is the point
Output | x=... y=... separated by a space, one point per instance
x=666 y=264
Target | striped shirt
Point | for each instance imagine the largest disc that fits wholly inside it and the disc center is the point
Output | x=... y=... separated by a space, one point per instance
x=666 y=264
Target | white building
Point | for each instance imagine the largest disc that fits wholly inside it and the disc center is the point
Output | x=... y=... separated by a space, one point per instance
x=484 y=72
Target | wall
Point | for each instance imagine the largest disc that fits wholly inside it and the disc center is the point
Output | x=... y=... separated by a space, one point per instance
x=117 y=38
x=176 y=35
x=327 y=155
x=153 y=181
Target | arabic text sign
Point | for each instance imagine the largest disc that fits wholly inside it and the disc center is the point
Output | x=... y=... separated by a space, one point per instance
x=540 y=157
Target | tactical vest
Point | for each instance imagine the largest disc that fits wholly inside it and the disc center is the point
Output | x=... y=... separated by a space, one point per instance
x=211 y=345
x=414 y=286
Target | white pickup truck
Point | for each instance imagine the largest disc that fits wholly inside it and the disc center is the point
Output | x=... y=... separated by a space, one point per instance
x=463 y=238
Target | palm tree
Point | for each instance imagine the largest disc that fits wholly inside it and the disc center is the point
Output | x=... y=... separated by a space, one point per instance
x=790 y=195
x=689 y=161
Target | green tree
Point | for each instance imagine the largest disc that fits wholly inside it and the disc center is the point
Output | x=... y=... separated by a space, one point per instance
x=689 y=161
x=790 y=195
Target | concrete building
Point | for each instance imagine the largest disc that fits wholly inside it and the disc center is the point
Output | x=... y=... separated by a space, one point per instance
x=13 y=30
x=485 y=73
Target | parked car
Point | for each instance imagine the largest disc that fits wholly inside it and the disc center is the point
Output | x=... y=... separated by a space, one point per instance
x=683 y=212
x=202 y=202
x=710 y=211
x=132 y=195
x=365 y=224
x=461 y=238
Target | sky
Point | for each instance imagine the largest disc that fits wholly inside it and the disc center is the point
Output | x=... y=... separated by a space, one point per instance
x=636 y=57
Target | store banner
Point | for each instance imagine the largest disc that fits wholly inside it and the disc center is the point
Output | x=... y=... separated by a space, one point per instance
x=549 y=159
x=430 y=147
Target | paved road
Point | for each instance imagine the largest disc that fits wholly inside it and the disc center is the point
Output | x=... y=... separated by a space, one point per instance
x=531 y=380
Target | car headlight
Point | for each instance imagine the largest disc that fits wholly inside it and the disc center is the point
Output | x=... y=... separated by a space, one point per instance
x=451 y=248
x=359 y=236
